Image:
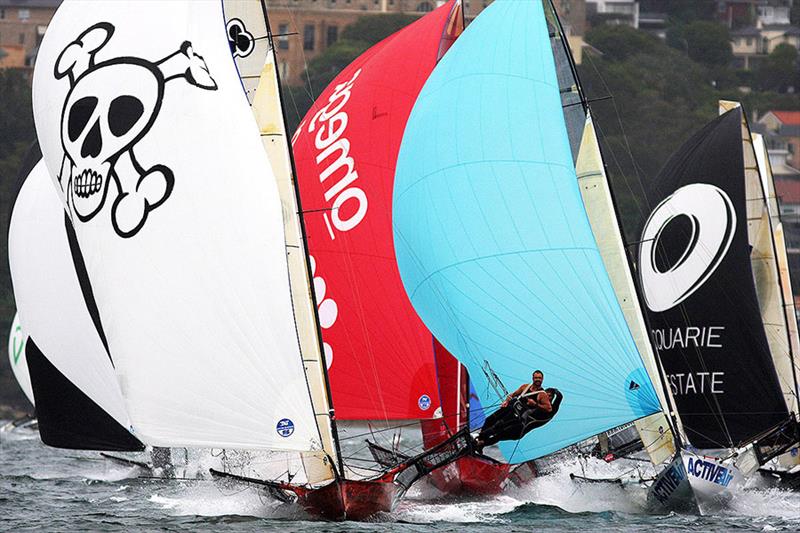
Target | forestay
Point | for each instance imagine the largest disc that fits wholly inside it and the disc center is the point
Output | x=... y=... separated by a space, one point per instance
x=493 y=242
x=155 y=150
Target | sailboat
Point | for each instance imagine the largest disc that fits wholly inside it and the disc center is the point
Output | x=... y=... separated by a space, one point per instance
x=710 y=282
x=384 y=364
x=16 y=358
x=494 y=245
x=19 y=367
x=154 y=150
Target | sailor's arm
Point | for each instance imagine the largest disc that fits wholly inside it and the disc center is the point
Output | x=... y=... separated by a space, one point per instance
x=514 y=394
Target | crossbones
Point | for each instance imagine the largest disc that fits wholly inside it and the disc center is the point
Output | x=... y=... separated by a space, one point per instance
x=110 y=107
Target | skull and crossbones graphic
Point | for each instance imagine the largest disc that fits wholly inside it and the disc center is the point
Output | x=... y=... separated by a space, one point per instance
x=111 y=105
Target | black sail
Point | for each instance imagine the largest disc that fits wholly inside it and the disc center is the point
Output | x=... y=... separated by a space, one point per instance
x=68 y=418
x=696 y=276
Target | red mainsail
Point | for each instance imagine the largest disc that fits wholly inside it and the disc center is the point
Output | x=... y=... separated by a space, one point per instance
x=380 y=355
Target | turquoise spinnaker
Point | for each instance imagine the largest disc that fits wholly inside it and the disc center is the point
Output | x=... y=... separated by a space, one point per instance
x=493 y=242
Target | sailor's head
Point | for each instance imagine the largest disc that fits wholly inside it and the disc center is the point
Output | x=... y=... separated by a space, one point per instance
x=537 y=378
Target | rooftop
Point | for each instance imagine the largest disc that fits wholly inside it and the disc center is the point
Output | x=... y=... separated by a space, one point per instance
x=788 y=118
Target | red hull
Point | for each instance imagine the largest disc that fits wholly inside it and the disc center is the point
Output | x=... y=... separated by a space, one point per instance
x=349 y=499
x=471 y=475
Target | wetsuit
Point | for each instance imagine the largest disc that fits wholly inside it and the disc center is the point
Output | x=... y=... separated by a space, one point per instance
x=515 y=420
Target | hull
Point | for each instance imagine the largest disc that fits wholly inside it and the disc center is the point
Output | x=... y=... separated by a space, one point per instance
x=349 y=499
x=471 y=475
x=695 y=483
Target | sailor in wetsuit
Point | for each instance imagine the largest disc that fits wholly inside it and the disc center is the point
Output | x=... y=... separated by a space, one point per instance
x=527 y=407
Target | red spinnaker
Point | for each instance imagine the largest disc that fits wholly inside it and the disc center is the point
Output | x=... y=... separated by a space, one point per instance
x=379 y=353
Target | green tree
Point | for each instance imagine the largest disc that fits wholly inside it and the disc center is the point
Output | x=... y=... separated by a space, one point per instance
x=779 y=71
x=705 y=42
x=16 y=111
x=682 y=11
x=372 y=29
x=356 y=38
x=659 y=98
x=619 y=42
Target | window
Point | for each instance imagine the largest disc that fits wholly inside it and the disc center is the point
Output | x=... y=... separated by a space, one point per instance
x=2 y=13
x=21 y=38
x=424 y=7
x=333 y=35
x=749 y=41
x=308 y=37
x=283 y=37
x=283 y=67
x=24 y=14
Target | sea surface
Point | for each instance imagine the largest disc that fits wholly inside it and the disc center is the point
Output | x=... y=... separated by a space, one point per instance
x=63 y=490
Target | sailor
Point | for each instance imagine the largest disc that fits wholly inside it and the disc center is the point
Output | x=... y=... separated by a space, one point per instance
x=524 y=409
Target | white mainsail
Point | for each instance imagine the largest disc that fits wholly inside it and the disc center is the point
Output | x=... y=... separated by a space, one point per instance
x=179 y=219
x=49 y=297
x=251 y=43
x=764 y=260
x=596 y=193
x=16 y=357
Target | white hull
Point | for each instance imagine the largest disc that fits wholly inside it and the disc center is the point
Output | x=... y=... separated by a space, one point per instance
x=695 y=483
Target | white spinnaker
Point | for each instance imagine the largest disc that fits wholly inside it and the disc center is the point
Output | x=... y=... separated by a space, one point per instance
x=765 y=265
x=194 y=297
x=596 y=193
x=49 y=297
x=258 y=71
x=16 y=357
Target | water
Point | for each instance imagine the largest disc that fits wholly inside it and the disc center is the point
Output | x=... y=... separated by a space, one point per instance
x=43 y=488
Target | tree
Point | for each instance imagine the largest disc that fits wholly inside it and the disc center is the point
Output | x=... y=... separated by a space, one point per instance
x=779 y=72
x=705 y=42
x=372 y=29
x=16 y=111
x=660 y=97
x=682 y=11
x=356 y=38
x=619 y=42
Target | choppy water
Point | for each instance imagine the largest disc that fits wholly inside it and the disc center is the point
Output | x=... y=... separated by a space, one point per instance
x=46 y=489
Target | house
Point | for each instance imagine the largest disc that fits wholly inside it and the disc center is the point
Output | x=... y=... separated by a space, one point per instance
x=782 y=134
x=22 y=26
x=754 y=43
x=613 y=12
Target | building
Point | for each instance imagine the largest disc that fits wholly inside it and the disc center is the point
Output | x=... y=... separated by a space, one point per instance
x=782 y=134
x=306 y=28
x=776 y=12
x=303 y=28
x=754 y=43
x=613 y=12
x=738 y=13
x=22 y=26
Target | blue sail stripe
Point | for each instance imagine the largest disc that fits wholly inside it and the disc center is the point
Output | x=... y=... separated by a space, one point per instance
x=492 y=240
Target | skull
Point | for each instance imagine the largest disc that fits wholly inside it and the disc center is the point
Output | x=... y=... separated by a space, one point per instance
x=105 y=113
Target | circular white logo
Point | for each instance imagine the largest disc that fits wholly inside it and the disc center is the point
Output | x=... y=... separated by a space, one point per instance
x=713 y=223
x=285 y=427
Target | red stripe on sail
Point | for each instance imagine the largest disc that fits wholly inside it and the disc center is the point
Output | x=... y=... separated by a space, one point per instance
x=380 y=354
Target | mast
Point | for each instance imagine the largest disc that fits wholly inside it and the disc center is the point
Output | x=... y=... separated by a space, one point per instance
x=672 y=411
x=298 y=214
